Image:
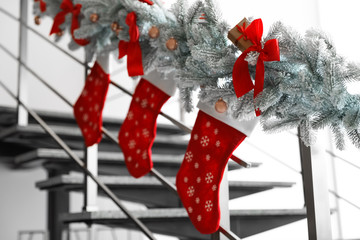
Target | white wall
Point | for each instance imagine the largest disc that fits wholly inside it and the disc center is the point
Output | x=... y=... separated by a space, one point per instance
x=22 y=206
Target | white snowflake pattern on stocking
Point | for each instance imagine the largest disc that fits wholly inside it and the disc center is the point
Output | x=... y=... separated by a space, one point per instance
x=208 y=205
x=189 y=156
x=144 y=103
x=132 y=144
x=96 y=107
x=144 y=155
x=209 y=177
x=145 y=133
x=85 y=117
x=191 y=191
x=84 y=93
x=196 y=165
x=204 y=141
x=130 y=115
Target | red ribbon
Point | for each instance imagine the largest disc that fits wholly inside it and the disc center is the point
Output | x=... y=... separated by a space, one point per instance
x=68 y=7
x=241 y=76
x=132 y=48
x=42 y=5
x=242 y=31
x=147 y=1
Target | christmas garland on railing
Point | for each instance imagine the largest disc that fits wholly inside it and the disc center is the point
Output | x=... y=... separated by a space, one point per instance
x=305 y=89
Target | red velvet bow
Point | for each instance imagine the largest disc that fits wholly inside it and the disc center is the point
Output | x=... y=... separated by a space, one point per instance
x=68 y=7
x=147 y=1
x=132 y=48
x=42 y=5
x=271 y=52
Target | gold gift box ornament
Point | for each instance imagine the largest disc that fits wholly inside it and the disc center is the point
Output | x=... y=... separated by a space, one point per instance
x=236 y=35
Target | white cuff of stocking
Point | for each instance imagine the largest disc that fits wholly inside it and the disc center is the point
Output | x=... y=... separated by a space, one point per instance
x=165 y=82
x=244 y=126
x=103 y=61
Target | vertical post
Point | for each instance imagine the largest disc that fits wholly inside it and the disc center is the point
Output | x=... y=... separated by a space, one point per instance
x=22 y=115
x=58 y=203
x=224 y=207
x=91 y=159
x=91 y=233
x=91 y=189
x=330 y=146
x=316 y=191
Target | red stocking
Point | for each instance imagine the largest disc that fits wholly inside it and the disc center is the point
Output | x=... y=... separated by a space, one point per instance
x=212 y=143
x=138 y=131
x=88 y=108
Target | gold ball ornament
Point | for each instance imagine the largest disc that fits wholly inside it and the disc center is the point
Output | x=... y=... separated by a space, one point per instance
x=118 y=30
x=154 y=32
x=37 y=20
x=171 y=44
x=221 y=106
x=114 y=26
x=94 y=17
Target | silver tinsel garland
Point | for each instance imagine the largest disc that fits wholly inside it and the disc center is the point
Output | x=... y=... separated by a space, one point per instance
x=306 y=89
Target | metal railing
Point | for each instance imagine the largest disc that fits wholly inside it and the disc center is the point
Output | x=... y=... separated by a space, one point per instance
x=172 y=120
x=80 y=163
x=154 y=172
x=74 y=157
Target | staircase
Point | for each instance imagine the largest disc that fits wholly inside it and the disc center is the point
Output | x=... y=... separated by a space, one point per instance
x=30 y=146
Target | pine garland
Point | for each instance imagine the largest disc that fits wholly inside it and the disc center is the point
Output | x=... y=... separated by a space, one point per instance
x=306 y=89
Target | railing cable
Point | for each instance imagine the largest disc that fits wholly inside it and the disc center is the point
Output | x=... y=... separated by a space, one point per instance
x=342 y=159
x=154 y=172
x=81 y=164
x=299 y=172
x=274 y=158
x=344 y=199
x=104 y=130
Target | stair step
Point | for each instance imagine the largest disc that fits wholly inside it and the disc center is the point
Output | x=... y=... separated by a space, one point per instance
x=150 y=191
x=175 y=222
x=33 y=135
x=110 y=163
